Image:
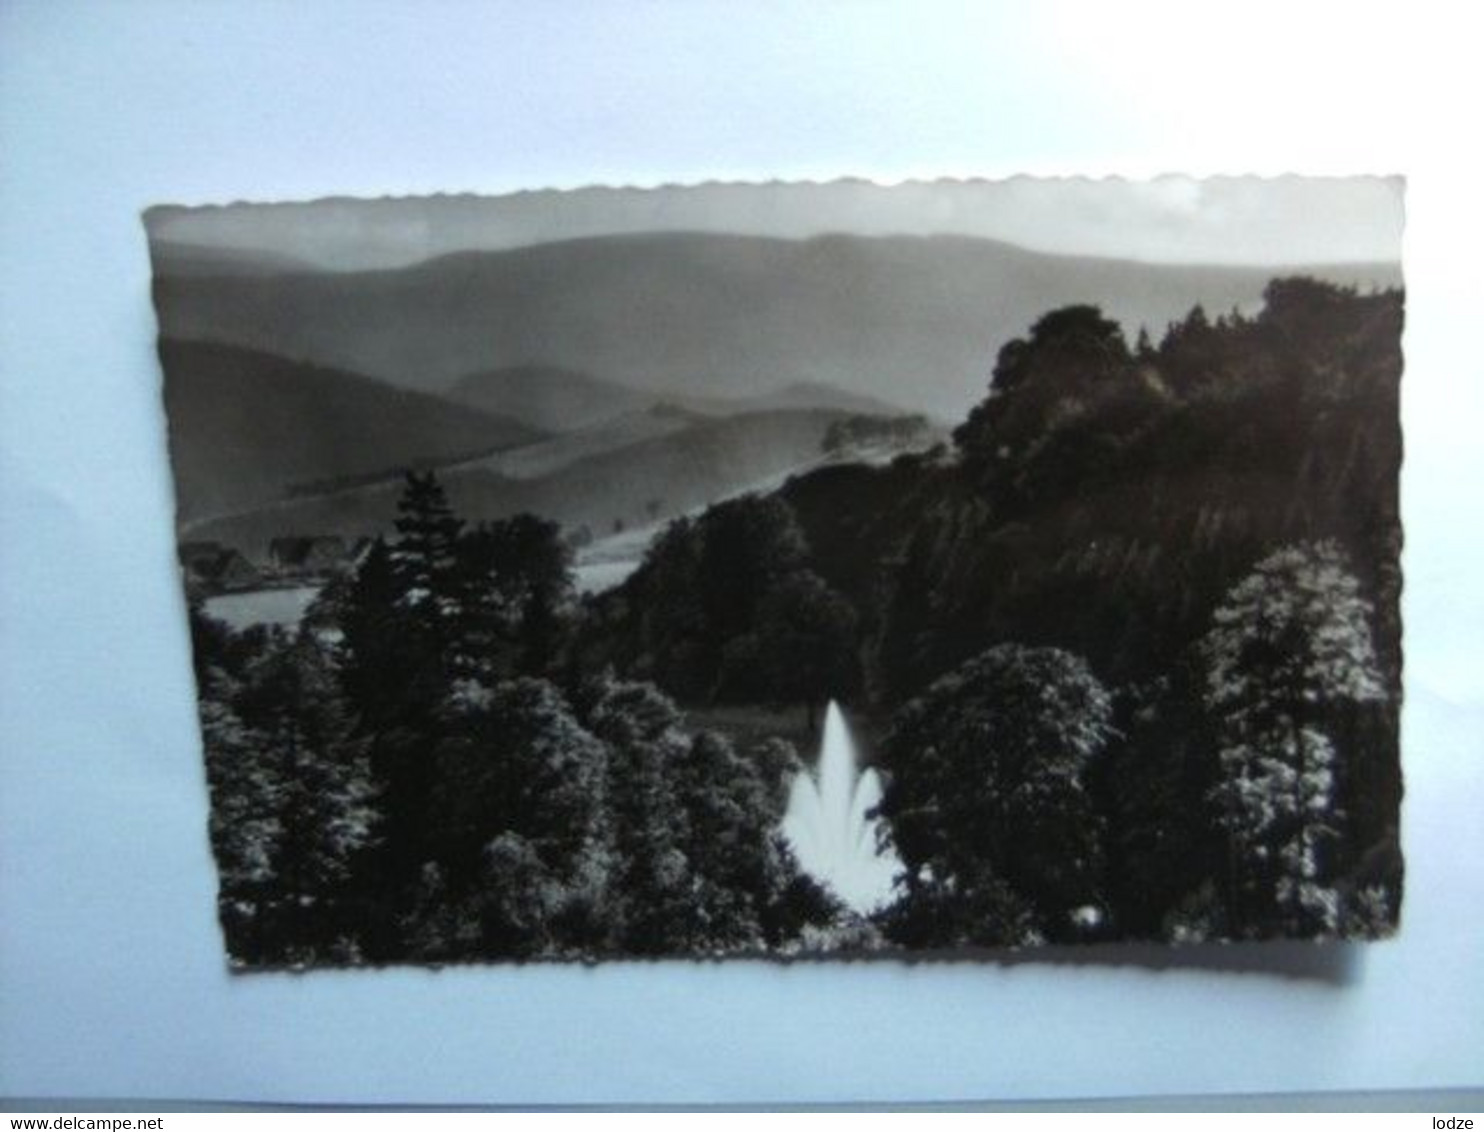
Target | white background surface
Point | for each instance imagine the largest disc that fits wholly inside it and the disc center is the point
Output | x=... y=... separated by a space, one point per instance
x=111 y=976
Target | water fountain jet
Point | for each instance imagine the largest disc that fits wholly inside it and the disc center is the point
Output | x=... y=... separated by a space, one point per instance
x=826 y=823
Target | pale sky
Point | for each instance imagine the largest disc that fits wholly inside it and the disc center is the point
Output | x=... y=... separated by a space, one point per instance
x=1232 y=220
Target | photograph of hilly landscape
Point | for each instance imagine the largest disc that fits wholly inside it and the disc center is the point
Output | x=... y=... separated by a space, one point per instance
x=793 y=569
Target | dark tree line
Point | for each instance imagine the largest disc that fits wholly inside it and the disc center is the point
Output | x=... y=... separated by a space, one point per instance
x=1223 y=808
x=1212 y=525
x=420 y=773
x=728 y=608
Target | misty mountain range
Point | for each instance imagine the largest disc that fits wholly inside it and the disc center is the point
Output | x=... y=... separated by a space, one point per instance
x=604 y=382
x=1167 y=219
x=912 y=321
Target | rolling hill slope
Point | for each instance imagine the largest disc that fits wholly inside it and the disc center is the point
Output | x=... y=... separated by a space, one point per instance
x=247 y=427
x=548 y=398
x=654 y=478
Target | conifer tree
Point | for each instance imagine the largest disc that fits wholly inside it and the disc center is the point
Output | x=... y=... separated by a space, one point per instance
x=425 y=555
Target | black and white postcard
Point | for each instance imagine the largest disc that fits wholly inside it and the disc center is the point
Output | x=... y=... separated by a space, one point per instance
x=792 y=570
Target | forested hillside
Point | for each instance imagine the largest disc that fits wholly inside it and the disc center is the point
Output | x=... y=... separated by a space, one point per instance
x=1116 y=503
x=1127 y=656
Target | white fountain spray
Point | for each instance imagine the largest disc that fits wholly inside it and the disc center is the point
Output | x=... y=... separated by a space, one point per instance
x=827 y=827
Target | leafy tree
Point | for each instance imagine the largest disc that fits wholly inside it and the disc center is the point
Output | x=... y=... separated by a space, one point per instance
x=802 y=649
x=520 y=899
x=245 y=821
x=1135 y=501
x=516 y=759
x=293 y=807
x=697 y=861
x=700 y=590
x=654 y=905
x=747 y=546
x=659 y=618
x=519 y=815
x=1070 y=355
x=401 y=612
x=743 y=867
x=987 y=803
x=437 y=924
x=1304 y=312
x=1288 y=658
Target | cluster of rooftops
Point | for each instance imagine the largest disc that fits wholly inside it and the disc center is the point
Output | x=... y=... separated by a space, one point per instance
x=212 y=567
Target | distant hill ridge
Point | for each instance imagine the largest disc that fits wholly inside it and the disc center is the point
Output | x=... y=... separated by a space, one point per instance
x=558 y=400
x=912 y=321
x=174 y=258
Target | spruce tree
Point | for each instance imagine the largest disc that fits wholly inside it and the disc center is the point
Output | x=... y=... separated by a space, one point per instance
x=425 y=555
